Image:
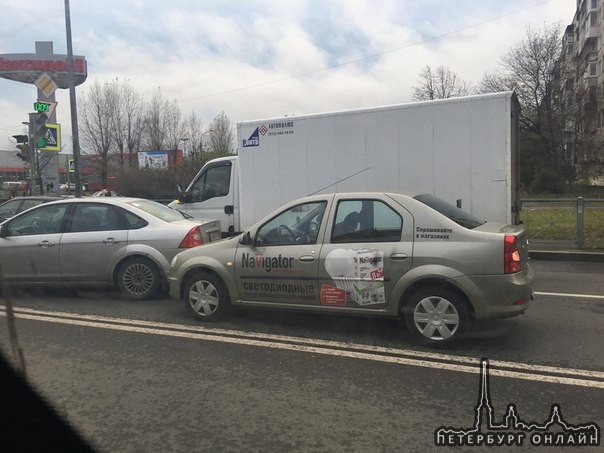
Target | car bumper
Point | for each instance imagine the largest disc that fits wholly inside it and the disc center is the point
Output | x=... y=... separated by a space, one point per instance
x=501 y=296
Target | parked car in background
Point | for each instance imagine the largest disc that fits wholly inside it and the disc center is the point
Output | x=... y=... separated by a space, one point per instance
x=122 y=242
x=106 y=193
x=65 y=187
x=374 y=254
x=18 y=204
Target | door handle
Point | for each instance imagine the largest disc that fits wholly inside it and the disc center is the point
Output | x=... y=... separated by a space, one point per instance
x=399 y=256
x=307 y=258
x=46 y=244
x=110 y=241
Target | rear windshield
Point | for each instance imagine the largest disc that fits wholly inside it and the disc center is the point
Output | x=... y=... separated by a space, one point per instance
x=459 y=216
x=159 y=210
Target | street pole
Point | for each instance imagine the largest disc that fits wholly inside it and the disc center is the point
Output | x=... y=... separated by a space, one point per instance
x=73 y=105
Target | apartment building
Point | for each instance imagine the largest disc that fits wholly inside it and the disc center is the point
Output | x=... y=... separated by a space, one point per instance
x=581 y=86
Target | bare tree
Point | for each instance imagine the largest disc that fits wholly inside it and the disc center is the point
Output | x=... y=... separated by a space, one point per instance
x=531 y=69
x=193 y=132
x=127 y=119
x=439 y=83
x=222 y=137
x=96 y=109
x=162 y=125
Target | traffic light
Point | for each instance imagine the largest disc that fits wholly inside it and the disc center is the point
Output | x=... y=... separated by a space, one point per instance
x=23 y=147
x=39 y=130
x=23 y=153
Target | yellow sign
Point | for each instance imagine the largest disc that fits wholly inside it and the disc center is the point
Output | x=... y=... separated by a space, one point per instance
x=53 y=137
x=71 y=166
x=46 y=85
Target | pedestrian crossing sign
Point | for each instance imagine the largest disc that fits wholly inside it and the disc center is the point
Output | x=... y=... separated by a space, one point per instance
x=53 y=137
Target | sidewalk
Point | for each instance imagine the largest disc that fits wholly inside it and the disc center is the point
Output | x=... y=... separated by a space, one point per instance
x=567 y=255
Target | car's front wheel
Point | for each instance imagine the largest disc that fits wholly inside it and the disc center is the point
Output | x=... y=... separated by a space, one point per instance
x=206 y=297
x=436 y=316
x=138 y=278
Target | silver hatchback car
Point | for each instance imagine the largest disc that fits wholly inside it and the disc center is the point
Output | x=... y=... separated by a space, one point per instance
x=419 y=258
x=123 y=242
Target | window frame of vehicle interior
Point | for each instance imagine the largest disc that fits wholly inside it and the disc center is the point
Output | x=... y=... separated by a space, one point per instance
x=274 y=224
x=199 y=189
x=366 y=230
x=125 y=219
x=39 y=212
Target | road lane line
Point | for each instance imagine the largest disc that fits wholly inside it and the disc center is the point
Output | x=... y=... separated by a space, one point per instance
x=317 y=342
x=464 y=364
x=582 y=296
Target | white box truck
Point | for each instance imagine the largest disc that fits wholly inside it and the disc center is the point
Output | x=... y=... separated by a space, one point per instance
x=464 y=150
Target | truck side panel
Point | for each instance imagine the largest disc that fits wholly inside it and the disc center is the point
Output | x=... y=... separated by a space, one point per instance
x=458 y=149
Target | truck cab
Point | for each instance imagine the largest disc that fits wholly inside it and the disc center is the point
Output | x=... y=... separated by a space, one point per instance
x=214 y=194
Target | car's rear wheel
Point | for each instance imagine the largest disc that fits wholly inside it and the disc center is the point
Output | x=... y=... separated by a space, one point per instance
x=138 y=278
x=206 y=297
x=436 y=316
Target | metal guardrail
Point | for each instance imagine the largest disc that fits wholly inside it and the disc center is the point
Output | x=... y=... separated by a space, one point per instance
x=564 y=222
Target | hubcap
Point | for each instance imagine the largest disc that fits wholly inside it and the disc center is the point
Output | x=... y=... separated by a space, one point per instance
x=203 y=298
x=138 y=279
x=436 y=318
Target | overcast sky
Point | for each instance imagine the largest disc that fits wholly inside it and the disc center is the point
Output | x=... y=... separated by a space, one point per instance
x=254 y=59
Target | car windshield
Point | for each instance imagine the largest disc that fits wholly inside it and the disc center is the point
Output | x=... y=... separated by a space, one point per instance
x=159 y=210
x=459 y=216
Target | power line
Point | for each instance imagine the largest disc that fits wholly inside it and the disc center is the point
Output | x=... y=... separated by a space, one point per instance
x=365 y=58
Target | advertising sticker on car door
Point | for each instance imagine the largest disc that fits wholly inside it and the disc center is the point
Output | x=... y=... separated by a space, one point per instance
x=358 y=275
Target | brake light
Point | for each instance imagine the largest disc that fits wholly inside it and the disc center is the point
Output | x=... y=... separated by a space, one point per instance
x=192 y=239
x=512 y=262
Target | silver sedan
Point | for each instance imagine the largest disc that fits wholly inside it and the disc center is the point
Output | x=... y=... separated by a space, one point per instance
x=123 y=242
x=371 y=254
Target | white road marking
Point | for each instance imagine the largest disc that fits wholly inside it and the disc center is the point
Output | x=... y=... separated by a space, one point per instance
x=515 y=370
x=581 y=296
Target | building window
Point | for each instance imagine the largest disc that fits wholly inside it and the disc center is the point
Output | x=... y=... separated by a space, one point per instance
x=594 y=4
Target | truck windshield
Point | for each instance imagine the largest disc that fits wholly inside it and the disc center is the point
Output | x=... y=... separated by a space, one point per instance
x=459 y=216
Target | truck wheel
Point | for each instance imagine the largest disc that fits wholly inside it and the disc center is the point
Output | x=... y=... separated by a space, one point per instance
x=138 y=278
x=206 y=297
x=436 y=316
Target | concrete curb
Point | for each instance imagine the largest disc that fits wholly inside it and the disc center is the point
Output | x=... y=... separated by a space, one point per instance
x=566 y=255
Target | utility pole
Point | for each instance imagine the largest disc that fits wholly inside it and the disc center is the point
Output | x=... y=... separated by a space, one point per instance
x=73 y=105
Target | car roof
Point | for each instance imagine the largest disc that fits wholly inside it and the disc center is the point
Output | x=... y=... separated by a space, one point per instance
x=35 y=197
x=107 y=200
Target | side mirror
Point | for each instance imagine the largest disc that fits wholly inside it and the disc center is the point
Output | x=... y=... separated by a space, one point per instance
x=183 y=197
x=3 y=231
x=246 y=238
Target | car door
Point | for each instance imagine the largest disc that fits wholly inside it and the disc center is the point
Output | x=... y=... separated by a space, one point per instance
x=30 y=245
x=95 y=239
x=368 y=248
x=281 y=265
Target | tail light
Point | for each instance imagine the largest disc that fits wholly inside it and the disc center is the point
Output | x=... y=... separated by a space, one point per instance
x=512 y=262
x=192 y=239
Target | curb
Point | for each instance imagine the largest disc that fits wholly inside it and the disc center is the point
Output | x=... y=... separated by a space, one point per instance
x=564 y=255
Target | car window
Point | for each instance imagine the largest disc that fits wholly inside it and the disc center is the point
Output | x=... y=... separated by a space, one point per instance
x=28 y=203
x=134 y=222
x=159 y=210
x=366 y=221
x=458 y=215
x=94 y=217
x=9 y=208
x=297 y=225
x=43 y=220
x=213 y=182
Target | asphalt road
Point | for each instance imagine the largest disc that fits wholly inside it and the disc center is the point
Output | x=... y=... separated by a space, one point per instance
x=135 y=376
